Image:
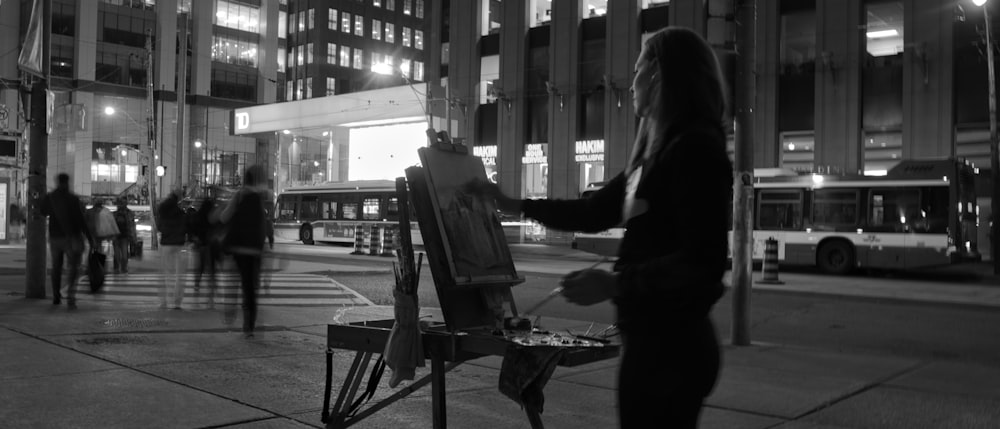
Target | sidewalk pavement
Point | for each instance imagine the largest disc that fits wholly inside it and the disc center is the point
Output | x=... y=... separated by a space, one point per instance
x=133 y=366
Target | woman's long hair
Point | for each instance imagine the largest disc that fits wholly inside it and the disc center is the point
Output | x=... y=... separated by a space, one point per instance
x=691 y=89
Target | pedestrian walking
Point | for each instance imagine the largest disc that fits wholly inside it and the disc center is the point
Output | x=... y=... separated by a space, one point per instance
x=102 y=226
x=67 y=232
x=669 y=270
x=170 y=221
x=203 y=230
x=125 y=220
x=244 y=219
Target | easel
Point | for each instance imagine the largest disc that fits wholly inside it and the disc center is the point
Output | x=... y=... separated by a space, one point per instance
x=473 y=272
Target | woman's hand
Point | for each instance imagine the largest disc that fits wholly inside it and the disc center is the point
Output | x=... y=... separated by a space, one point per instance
x=487 y=189
x=590 y=286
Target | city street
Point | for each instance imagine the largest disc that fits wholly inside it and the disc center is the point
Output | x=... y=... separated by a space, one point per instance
x=818 y=359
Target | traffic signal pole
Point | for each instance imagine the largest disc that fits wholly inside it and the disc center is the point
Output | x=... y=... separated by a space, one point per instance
x=742 y=245
x=38 y=159
x=151 y=131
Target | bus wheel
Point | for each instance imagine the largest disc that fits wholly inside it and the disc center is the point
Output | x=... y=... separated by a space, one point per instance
x=835 y=257
x=306 y=234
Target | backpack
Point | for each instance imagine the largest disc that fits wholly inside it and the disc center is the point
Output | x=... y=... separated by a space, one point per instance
x=122 y=221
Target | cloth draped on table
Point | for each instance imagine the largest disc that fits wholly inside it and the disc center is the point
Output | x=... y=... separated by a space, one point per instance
x=525 y=371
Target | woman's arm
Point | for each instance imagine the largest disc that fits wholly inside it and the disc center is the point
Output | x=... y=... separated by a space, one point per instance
x=599 y=211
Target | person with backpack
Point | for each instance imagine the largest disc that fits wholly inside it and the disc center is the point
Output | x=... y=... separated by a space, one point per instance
x=125 y=220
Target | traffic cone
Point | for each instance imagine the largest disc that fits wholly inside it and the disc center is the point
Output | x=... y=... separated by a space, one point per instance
x=770 y=267
x=359 y=240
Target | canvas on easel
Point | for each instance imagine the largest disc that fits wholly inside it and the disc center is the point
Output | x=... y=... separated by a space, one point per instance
x=466 y=248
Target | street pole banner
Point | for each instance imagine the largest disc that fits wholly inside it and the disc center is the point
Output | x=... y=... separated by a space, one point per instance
x=30 y=59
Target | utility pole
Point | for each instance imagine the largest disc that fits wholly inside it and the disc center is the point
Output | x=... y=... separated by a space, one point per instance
x=38 y=160
x=151 y=134
x=183 y=164
x=746 y=20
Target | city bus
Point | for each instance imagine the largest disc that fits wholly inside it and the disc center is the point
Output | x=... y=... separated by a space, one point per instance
x=921 y=213
x=330 y=213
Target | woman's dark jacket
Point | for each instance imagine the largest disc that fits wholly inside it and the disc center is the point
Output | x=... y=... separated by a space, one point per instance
x=672 y=257
x=170 y=222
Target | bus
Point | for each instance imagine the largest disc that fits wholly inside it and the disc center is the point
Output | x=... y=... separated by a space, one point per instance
x=921 y=213
x=330 y=213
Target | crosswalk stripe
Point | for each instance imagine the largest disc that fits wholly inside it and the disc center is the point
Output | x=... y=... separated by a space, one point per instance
x=276 y=289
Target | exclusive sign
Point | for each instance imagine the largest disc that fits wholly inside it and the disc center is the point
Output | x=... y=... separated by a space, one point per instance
x=590 y=151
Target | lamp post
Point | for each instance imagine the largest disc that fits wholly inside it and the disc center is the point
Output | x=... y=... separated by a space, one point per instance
x=994 y=151
x=151 y=196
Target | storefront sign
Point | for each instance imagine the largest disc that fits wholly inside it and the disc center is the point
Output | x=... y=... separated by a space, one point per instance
x=534 y=153
x=242 y=120
x=590 y=151
x=487 y=153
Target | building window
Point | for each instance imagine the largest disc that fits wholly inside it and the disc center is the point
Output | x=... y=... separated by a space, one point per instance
x=377 y=3
x=420 y=8
x=302 y=20
x=281 y=60
x=418 y=39
x=290 y=91
x=407 y=7
x=309 y=53
x=358 y=56
x=283 y=24
x=404 y=67
x=298 y=89
x=236 y=51
x=345 y=56
x=238 y=85
x=292 y=23
x=331 y=85
x=359 y=25
x=331 y=53
x=407 y=35
x=291 y=57
x=376 y=29
x=237 y=15
x=418 y=70
x=390 y=4
x=312 y=19
x=882 y=87
x=345 y=22
x=376 y=60
x=332 y=21
x=301 y=55
x=796 y=84
x=390 y=29
x=309 y=87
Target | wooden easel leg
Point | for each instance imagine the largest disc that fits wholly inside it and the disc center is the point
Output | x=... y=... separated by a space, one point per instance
x=439 y=413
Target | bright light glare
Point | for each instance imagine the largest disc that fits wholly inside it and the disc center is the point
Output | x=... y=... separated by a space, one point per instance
x=382 y=68
x=143 y=228
x=197 y=143
x=109 y=110
x=124 y=152
x=791 y=146
x=286 y=132
x=978 y=2
x=882 y=33
x=817 y=179
x=384 y=152
x=876 y=172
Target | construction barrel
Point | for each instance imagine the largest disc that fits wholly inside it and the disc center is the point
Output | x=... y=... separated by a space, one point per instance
x=374 y=241
x=359 y=240
x=770 y=267
x=387 y=234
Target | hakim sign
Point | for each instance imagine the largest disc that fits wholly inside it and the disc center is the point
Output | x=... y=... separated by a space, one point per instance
x=488 y=153
x=590 y=151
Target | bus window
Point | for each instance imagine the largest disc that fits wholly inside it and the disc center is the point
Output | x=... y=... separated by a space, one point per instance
x=833 y=207
x=350 y=210
x=286 y=209
x=309 y=209
x=392 y=209
x=894 y=208
x=780 y=210
x=371 y=208
x=329 y=210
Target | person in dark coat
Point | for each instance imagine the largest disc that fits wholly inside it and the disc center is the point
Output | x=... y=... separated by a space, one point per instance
x=125 y=220
x=173 y=236
x=202 y=229
x=245 y=220
x=670 y=265
x=67 y=231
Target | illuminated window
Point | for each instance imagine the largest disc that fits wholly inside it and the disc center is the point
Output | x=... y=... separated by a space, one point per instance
x=332 y=21
x=237 y=15
x=390 y=4
x=404 y=67
x=309 y=53
x=302 y=20
x=407 y=7
x=345 y=56
x=377 y=3
x=420 y=8
x=350 y=210
x=376 y=29
x=390 y=29
x=301 y=55
x=331 y=86
x=291 y=57
x=376 y=60
x=345 y=22
x=359 y=25
x=358 y=55
x=418 y=70
x=290 y=91
x=234 y=50
x=292 y=23
x=309 y=87
x=312 y=19
x=281 y=60
x=407 y=35
x=371 y=209
x=418 y=39
x=331 y=53
x=283 y=24
x=298 y=89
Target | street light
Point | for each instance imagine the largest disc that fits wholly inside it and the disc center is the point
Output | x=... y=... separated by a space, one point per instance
x=151 y=191
x=994 y=150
